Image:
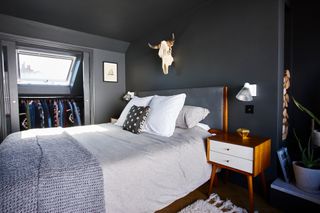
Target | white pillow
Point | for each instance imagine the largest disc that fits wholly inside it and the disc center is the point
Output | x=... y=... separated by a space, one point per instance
x=203 y=126
x=163 y=114
x=189 y=116
x=134 y=101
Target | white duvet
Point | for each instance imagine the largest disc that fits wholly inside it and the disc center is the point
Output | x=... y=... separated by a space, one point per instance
x=145 y=173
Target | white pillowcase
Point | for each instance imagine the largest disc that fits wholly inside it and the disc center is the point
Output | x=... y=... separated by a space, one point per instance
x=134 y=101
x=163 y=114
x=189 y=116
x=203 y=126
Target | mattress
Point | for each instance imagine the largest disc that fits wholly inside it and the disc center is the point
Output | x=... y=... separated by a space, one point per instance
x=145 y=173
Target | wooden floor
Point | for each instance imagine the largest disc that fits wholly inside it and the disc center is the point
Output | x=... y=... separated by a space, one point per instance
x=237 y=194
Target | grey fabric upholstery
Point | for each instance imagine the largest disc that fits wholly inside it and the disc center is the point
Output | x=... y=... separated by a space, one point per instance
x=207 y=97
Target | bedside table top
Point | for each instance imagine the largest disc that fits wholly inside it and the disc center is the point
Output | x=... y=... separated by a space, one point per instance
x=234 y=138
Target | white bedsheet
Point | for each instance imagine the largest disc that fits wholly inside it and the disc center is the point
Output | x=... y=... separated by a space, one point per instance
x=145 y=173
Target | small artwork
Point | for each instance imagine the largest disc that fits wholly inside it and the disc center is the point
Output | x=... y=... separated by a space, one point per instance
x=110 y=72
x=285 y=163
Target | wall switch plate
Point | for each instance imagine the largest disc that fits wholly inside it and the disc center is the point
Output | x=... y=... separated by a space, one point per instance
x=249 y=109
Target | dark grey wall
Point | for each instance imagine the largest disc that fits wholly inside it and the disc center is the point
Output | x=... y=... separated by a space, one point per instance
x=107 y=95
x=222 y=43
x=305 y=62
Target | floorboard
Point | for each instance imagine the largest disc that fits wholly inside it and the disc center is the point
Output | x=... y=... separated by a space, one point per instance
x=237 y=194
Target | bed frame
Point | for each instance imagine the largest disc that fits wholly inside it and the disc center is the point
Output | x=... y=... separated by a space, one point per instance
x=213 y=98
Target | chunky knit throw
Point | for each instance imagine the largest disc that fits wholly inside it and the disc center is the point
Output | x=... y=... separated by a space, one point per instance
x=49 y=174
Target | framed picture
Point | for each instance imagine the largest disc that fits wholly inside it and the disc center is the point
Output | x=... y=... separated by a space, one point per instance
x=110 y=71
x=285 y=163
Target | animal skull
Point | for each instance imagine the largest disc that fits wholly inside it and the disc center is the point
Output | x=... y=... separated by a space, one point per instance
x=165 y=53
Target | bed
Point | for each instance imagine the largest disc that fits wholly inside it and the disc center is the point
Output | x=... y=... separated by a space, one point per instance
x=131 y=173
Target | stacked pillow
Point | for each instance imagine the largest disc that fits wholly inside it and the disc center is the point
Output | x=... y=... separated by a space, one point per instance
x=134 y=101
x=190 y=116
x=160 y=115
x=163 y=114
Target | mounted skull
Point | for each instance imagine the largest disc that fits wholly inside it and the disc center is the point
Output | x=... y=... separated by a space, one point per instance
x=165 y=53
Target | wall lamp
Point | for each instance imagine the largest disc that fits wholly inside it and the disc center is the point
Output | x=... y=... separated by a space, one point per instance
x=128 y=96
x=247 y=92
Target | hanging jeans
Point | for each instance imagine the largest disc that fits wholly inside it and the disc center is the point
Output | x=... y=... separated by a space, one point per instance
x=61 y=113
x=77 y=114
x=32 y=115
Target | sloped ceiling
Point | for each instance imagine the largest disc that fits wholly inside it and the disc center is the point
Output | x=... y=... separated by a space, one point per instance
x=125 y=20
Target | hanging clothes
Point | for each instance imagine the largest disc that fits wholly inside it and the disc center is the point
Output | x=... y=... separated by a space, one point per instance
x=70 y=113
x=51 y=112
x=37 y=114
x=56 y=113
x=46 y=113
x=76 y=111
x=28 y=114
x=23 y=116
x=47 y=118
x=68 y=121
x=61 y=113
x=41 y=114
x=32 y=115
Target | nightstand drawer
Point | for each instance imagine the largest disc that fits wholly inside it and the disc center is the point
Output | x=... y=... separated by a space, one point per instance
x=231 y=161
x=232 y=149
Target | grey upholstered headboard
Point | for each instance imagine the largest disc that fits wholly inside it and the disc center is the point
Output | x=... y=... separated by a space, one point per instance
x=212 y=98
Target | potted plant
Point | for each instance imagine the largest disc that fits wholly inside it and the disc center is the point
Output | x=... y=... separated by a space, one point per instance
x=307 y=171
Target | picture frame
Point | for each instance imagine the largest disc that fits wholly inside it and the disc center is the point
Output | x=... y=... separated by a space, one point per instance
x=285 y=163
x=110 y=71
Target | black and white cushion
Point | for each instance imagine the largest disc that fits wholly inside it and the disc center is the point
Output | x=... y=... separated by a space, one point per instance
x=136 y=118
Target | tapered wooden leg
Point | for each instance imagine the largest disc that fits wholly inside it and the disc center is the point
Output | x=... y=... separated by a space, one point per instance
x=213 y=175
x=263 y=183
x=250 y=189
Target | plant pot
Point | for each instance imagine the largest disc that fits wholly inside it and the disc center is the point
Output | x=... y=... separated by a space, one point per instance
x=306 y=179
x=316 y=138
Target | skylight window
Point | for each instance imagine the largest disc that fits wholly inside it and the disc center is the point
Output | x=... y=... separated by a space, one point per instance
x=45 y=68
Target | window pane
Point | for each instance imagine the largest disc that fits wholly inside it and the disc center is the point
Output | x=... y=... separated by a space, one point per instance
x=44 y=69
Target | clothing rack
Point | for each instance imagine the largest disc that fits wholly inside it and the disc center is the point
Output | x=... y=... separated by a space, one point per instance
x=50 y=111
x=51 y=97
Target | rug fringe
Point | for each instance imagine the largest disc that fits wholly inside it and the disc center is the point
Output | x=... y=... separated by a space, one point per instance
x=213 y=205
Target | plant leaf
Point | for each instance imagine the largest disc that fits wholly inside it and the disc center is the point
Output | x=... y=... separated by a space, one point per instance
x=303 y=109
x=298 y=139
x=306 y=153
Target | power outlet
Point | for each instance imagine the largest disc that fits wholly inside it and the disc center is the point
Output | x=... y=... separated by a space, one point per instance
x=249 y=109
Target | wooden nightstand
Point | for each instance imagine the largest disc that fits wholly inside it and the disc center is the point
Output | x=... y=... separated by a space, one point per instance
x=249 y=156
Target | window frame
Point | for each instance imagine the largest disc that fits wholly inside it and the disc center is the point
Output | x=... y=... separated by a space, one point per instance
x=68 y=55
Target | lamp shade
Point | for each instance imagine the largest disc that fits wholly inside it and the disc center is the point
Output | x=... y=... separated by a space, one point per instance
x=244 y=94
x=128 y=96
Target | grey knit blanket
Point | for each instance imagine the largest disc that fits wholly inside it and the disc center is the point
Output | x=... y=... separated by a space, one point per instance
x=49 y=174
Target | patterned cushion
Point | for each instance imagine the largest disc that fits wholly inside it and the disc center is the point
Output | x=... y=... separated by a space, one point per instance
x=136 y=119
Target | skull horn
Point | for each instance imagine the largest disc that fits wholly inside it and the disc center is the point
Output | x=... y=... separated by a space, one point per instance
x=154 y=46
x=171 y=42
